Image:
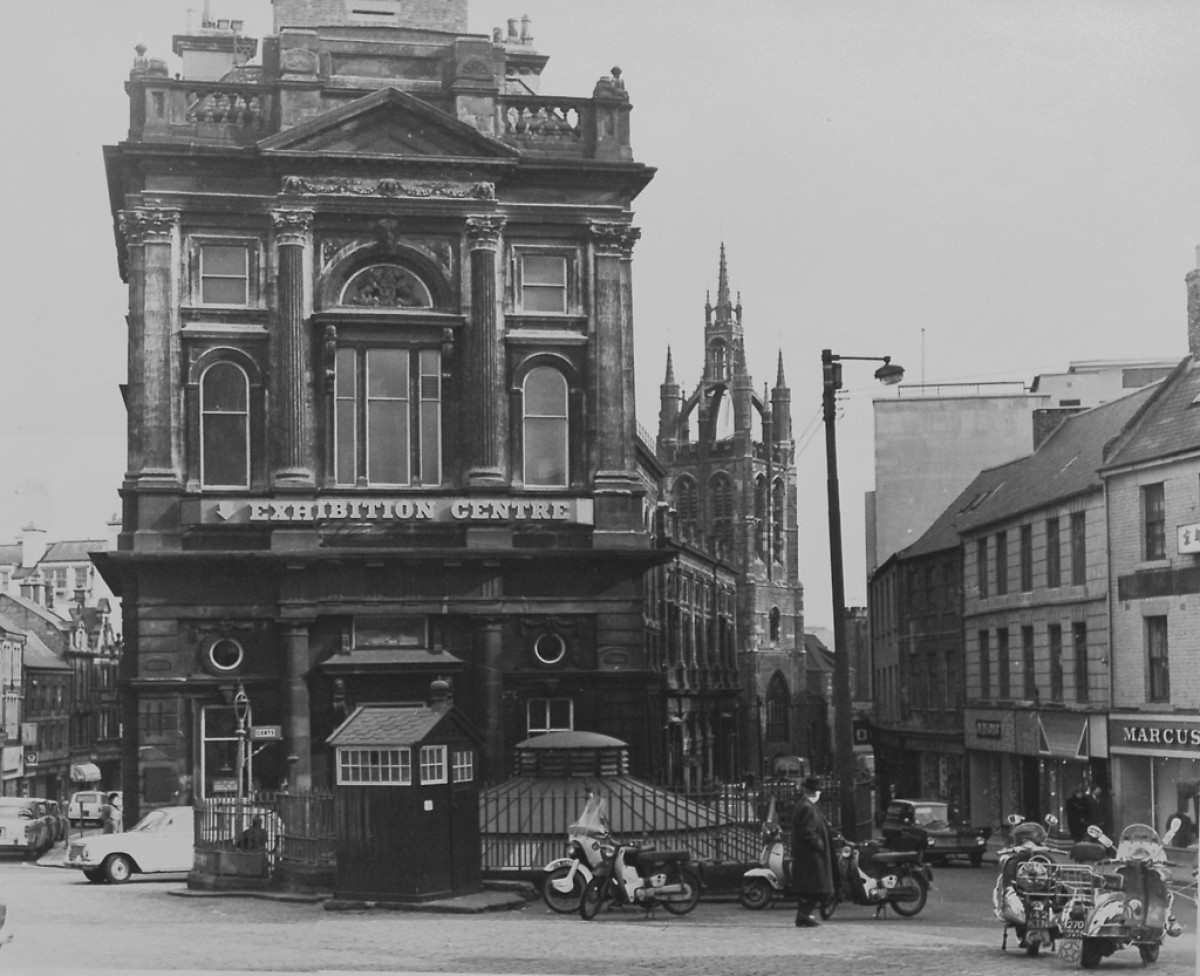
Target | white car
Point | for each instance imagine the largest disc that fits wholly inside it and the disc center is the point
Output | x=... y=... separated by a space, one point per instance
x=161 y=842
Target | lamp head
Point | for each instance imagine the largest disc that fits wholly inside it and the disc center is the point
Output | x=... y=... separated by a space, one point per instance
x=889 y=373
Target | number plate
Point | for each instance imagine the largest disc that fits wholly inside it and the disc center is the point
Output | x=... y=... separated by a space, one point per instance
x=1073 y=926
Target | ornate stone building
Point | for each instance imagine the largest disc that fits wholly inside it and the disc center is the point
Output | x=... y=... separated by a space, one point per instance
x=380 y=402
x=731 y=476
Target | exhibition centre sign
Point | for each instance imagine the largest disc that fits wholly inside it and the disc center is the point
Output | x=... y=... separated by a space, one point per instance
x=442 y=508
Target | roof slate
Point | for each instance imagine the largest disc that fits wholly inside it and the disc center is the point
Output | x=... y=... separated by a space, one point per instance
x=1169 y=425
x=1066 y=463
x=387 y=725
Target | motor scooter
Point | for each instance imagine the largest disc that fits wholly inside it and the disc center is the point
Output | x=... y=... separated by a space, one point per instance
x=869 y=874
x=771 y=879
x=640 y=875
x=1128 y=903
x=566 y=877
x=1024 y=897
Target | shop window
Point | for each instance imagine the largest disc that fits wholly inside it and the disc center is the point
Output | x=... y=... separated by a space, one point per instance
x=388 y=416
x=1154 y=522
x=1158 y=660
x=543 y=283
x=224 y=271
x=545 y=429
x=433 y=765
x=224 y=427
x=374 y=767
x=549 y=715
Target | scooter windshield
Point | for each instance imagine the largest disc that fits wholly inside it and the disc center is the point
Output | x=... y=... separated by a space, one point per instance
x=1029 y=832
x=594 y=820
x=1140 y=842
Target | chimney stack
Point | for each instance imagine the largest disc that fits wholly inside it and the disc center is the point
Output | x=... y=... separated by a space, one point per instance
x=33 y=546
x=1193 y=309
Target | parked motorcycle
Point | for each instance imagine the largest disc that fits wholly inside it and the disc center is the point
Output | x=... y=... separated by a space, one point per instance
x=640 y=875
x=870 y=874
x=770 y=880
x=1027 y=897
x=1128 y=902
x=566 y=877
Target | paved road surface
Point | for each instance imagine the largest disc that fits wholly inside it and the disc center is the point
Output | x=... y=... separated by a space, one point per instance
x=63 y=925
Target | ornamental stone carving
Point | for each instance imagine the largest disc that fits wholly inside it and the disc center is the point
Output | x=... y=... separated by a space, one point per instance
x=300 y=185
x=148 y=225
x=292 y=226
x=614 y=240
x=483 y=233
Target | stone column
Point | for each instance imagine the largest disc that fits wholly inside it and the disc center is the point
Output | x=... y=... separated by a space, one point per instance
x=296 y=724
x=612 y=356
x=152 y=237
x=292 y=434
x=489 y=646
x=486 y=404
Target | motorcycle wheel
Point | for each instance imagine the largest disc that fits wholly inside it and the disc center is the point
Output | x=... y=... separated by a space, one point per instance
x=594 y=896
x=756 y=894
x=827 y=907
x=912 y=906
x=1149 y=954
x=683 y=903
x=1090 y=953
x=559 y=901
x=1032 y=948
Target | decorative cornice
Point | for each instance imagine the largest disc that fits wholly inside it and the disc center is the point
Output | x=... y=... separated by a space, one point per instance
x=292 y=226
x=614 y=240
x=148 y=225
x=348 y=186
x=483 y=232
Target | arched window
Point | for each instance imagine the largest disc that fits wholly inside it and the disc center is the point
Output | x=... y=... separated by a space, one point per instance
x=722 y=510
x=723 y=426
x=777 y=520
x=687 y=504
x=545 y=428
x=760 y=516
x=773 y=619
x=224 y=427
x=718 y=360
x=385 y=286
x=778 y=702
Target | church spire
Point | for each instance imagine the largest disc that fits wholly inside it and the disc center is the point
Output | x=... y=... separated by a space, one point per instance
x=723 y=281
x=780 y=379
x=670 y=377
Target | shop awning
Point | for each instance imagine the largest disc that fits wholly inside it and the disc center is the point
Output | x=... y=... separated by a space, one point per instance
x=85 y=773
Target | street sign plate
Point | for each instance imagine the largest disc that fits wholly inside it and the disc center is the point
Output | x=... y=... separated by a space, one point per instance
x=260 y=732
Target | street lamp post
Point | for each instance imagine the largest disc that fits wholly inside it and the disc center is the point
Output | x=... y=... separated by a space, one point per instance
x=831 y=368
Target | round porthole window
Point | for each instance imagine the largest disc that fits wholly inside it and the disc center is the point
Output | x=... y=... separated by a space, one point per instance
x=225 y=655
x=550 y=648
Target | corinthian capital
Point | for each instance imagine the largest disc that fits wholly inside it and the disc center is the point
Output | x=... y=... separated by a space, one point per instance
x=292 y=226
x=148 y=225
x=483 y=233
x=614 y=240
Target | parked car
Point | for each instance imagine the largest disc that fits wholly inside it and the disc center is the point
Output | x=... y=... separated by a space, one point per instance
x=86 y=806
x=926 y=825
x=790 y=769
x=161 y=842
x=25 y=824
x=61 y=826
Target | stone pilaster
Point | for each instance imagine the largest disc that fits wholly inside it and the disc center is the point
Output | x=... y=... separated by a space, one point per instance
x=486 y=405
x=292 y=433
x=489 y=649
x=297 y=729
x=152 y=236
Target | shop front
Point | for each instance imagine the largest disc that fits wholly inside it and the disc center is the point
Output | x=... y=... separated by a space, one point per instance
x=1072 y=750
x=993 y=771
x=1156 y=768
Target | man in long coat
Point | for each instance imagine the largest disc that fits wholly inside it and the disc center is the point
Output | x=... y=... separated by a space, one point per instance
x=812 y=853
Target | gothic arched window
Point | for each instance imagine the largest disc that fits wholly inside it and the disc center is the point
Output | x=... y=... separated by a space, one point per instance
x=778 y=701
x=546 y=428
x=224 y=427
x=718 y=360
x=722 y=510
x=760 y=516
x=773 y=621
x=687 y=503
x=778 y=522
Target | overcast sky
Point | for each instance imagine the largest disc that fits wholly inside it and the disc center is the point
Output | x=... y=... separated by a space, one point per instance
x=982 y=190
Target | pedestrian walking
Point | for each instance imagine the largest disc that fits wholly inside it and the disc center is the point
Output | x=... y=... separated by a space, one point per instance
x=110 y=813
x=1079 y=813
x=812 y=853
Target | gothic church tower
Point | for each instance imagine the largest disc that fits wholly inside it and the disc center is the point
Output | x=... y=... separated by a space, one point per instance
x=731 y=485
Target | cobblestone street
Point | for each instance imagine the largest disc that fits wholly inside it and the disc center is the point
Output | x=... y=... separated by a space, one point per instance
x=63 y=925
